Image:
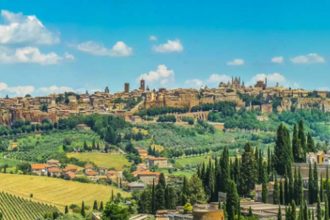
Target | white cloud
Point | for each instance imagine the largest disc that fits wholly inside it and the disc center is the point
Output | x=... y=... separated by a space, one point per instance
x=325 y=88
x=22 y=90
x=120 y=49
x=278 y=60
x=272 y=78
x=30 y=55
x=55 y=89
x=211 y=80
x=162 y=75
x=236 y=62
x=171 y=46
x=68 y=56
x=308 y=59
x=217 y=78
x=94 y=48
x=195 y=83
x=153 y=38
x=19 y=28
x=16 y=90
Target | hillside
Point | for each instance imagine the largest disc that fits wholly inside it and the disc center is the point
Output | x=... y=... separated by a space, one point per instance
x=28 y=209
x=55 y=191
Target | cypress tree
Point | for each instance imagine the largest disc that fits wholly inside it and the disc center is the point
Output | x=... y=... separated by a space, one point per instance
x=293 y=210
x=101 y=206
x=321 y=190
x=248 y=171
x=160 y=197
x=276 y=193
x=302 y=139
x=261 y=168
x=279 y=213
x=318 y=210
x=326 y=209
x=66 y=210
x=170 y=197
x=82 y=211
x=232 y=200
x=264 y=193
x=310 y=143
x=153 y=198
x=315 y=183
x=296 y=145
x=225 y=170
x=287 y=198
x=281 y=192
x=310 y=185
x=282 y=151
x=269 y=162
x=95 y=205
x=306 y=211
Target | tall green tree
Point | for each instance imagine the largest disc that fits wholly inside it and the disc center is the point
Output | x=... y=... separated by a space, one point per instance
x=224 y=170
x=248 y=171
x=276 y=192
x=232 y=200
x=171 y=197
x=264 y=193
x=310 y=143
x=282 y=151
x=296 y=148
x=302 y=138
x=196 y=190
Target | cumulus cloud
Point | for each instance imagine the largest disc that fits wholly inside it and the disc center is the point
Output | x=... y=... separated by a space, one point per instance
x=310 y=58
x=162 y=75
x=16 y=90
x=153 y=38
x=217 y=78
x=272 y=78
x=236 y=62
x=120 y=49
x=195 y=83
x=213 y=79
x=31 y=55
x=171 y=46
x=22 y=90
x=278 y=60
x=55 y=89
x=19 y=28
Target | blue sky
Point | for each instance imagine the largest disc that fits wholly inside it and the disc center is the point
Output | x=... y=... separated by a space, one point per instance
x=54 y=46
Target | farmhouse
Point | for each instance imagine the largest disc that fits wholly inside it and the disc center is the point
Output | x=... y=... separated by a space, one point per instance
x=147 y=177
x=54 y=171
x=160 y=162
x=135 y=186
x=39 y=168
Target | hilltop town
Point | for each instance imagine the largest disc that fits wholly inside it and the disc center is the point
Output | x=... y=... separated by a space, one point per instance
x=127 y=103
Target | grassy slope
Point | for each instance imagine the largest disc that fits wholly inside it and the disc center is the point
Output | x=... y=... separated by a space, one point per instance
x=109 y=160
x=55 y=191
x=28 y=209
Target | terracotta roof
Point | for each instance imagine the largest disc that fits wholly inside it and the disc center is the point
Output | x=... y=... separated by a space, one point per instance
x=157 y=158
x=54 y=170
x=70 y=174
x=70 y=167
x=90 y=172
x=145 y=173
x=38 y=166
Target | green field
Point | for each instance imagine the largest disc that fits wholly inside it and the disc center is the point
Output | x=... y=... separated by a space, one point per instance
x=57 y=192
x=116 y=161
x=186 y=162
x=41 y=147
x=16 y=208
